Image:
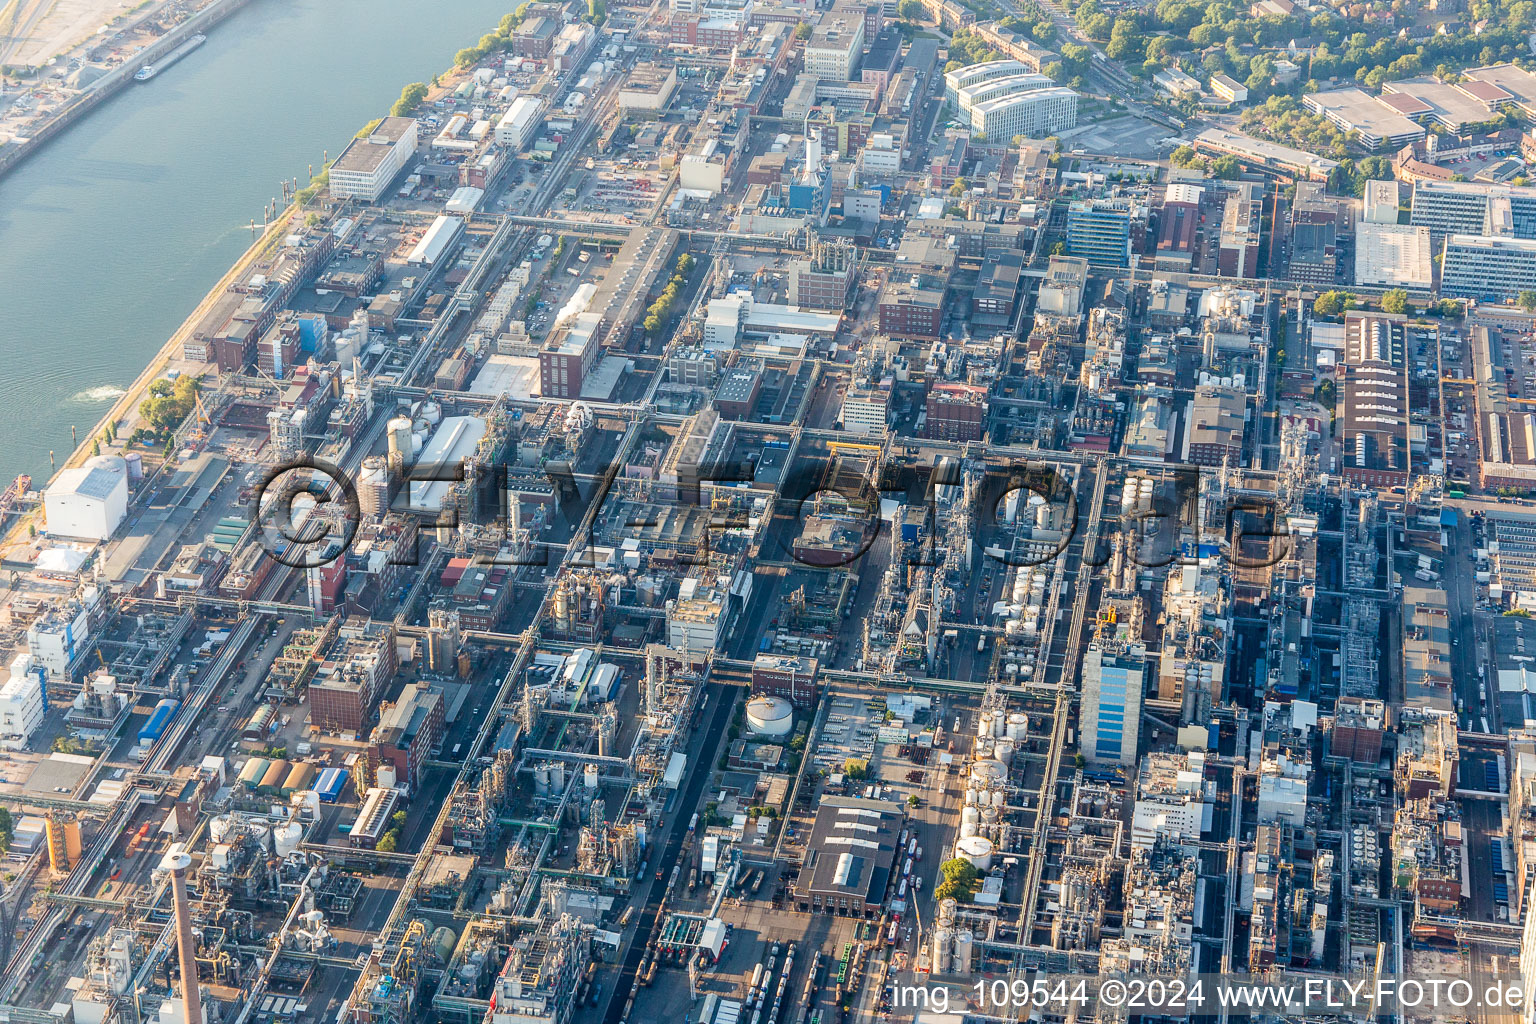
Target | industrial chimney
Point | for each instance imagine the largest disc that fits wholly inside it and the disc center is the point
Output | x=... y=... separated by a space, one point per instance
x=177 y=864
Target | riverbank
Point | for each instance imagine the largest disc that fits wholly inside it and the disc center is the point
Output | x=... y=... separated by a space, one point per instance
x=119 y=78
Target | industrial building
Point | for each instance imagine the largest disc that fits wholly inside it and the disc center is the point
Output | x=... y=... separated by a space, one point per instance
x=369 y=165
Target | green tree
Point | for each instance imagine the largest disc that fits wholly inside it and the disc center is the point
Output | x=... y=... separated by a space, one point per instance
x=410 y=97
x=960 y=880
x=7 y=830
x=856 y=768
x=1227 y=167
x=911 y=11
x=958 y=188
x=1395 y=301
x=913 y=800
x=1333 y=303
x=803 y=30
x=1526 y=300
x=387 y=842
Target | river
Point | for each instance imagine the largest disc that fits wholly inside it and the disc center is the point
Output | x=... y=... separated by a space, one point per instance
x=113 y=232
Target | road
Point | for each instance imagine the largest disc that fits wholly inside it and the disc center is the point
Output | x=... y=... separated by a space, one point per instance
x=722 y=700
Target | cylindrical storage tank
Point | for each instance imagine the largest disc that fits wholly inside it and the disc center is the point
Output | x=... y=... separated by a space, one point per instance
x=386 y=777
x=964 y=943
x=1018 y=726
x=431 y=412
x=948 y=908
x=770 y=717
x=442 y=942
x=557 y=776
x=263 y=836
x=984 y=749
x=541 y=779
x=999 y=722
x=399 y=432
x=285 y=839
x=990 y=773
x=970 y=814
x=984 y=725
x=307 y=802
x=218 y=828
x=977 y=850
x=1003 y=751
x=943 y=947
x=135 y=463
x=589 y=776
x=969 y=828
x=970 y=798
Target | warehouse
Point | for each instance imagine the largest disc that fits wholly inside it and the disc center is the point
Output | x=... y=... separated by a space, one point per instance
x=850 y=857
x=438 y=240
x=88 y=501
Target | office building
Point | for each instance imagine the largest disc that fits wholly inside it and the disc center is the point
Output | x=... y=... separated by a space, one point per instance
x=368 y=165
x=1099 y=230
x=975 y=74
x=835 y=46
x=1352 y=110
x=22 y=703
x=1033 y=114
x=1238 y=254
x=1473 y=208
x=1487 y=268
x=408 y=733
x=1111 y=701
x=567 y=358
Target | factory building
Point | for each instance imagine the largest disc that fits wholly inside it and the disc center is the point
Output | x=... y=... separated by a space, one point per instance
x=850 y=857
x=368 y=166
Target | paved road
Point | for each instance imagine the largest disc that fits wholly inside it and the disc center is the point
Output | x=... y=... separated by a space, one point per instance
x=718 y=714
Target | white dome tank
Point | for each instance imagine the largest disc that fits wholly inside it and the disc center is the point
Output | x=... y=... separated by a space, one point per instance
x=219 y=828
x=770 y=717
x=286 y=839
x=263 y=836
x=990 y=773
x=1003 y=751
x=1018 y=726
x=977 y=850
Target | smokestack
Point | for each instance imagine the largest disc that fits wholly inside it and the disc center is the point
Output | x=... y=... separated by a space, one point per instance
x=177 y=864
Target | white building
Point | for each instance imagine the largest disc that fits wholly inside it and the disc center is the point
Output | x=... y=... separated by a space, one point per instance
x=21 y=703
x=517 y=125
x=695 y=621
x=974 y=74
x=1393 y=256
x=89 y=501
x=1229 y=89
x=368 y=165
x=835 y=46
x=865 y=411
x=1169 y=800
x=703 y=171
x=1035 y=114
x=58 y=635
x=995 y=88
x=880 y=155
x=1282 y=801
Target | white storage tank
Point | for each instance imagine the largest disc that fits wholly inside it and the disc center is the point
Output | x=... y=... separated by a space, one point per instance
x=989 y=773
x=589 y=776
x=1003 y=751
x=964 y=944
x=943 y=947
x=984 y=724
x=1018 y=726
x=219 y=828
x=977 y=850
x=286 y=839
x=770 y=717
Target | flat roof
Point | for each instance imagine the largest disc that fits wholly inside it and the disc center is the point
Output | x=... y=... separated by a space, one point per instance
x=1393 y=254
x=1427 y=94
x=365 y=155
x=452 y=443
x=1247 y=145
x=1519 y=83
x=1363 y=111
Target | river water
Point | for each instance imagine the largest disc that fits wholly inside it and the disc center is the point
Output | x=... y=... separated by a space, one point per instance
x=111 y=234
